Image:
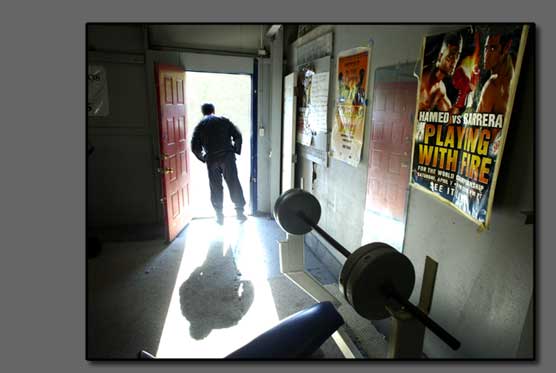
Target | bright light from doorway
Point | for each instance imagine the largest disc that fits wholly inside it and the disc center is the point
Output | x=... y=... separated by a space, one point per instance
x=231 y=96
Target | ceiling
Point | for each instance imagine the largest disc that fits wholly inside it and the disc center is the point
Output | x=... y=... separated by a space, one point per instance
x=246 y=38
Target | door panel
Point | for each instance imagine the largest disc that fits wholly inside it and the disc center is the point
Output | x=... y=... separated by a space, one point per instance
x=174 y=142
x=390 y=148
x=395 y=95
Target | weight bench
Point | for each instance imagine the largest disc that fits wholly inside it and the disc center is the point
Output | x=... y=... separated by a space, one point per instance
x=296 y=337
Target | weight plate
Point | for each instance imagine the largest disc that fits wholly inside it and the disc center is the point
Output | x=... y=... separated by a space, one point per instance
x=350 y=262
x=279 y=201
x=380 y=266
x=288 y=206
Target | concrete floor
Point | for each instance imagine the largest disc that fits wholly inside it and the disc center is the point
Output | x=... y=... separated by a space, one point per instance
x=212 y=290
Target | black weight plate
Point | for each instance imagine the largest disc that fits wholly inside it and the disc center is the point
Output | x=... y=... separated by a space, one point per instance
x=350 y=263
x=292 y=202
x=279 y=201
x=381 y=266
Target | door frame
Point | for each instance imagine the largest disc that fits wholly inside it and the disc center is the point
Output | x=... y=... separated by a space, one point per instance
x=202 y=62
x=254 y=135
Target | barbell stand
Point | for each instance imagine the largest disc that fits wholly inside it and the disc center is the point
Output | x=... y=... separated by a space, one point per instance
x=407 y=305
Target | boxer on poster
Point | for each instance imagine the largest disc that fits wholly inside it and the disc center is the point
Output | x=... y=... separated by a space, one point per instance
x=432 y=95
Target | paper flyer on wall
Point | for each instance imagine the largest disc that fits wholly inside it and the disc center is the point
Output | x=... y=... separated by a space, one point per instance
x=312 y=103
x=304 y=84
x=318 y=102
x=467 y=86
x=97 y=91
x=351 y=105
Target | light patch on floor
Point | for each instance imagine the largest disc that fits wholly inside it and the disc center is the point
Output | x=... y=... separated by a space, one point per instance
x=222 y=298
x=377 y=228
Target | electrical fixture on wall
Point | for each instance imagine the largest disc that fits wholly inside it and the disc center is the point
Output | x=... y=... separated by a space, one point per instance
x=262 y=52
x=273 y=30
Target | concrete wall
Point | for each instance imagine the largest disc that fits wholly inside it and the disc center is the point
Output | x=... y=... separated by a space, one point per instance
x=121 y=184
x=484 y=285
x=340 y=187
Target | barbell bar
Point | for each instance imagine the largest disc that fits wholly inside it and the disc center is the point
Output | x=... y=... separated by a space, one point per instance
x=374 y=276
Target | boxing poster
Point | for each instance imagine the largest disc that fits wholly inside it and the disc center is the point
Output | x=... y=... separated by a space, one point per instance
x=351 y=105
x=467 y=84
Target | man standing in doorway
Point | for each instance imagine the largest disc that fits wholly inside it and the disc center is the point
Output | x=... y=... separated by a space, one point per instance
x=215 y=140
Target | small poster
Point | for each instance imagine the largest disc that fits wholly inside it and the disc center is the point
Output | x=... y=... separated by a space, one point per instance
x=466 y=91
x=313 y=81
x=351 y=105
x=304 y=85
x=97 y=91
x=318 y=102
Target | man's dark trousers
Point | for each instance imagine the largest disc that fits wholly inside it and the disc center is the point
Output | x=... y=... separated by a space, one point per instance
x=224 y=166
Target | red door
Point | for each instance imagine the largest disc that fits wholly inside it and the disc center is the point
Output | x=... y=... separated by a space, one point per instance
x=174 y=162
x=390 y=148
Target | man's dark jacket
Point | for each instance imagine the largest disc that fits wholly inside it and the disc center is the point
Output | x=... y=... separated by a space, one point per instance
x=214 y=137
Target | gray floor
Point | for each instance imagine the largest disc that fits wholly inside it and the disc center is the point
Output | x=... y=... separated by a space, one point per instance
x=130 y=286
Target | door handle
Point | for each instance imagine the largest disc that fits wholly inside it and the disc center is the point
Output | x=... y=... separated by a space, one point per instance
x=164 y=156
x=165 y=170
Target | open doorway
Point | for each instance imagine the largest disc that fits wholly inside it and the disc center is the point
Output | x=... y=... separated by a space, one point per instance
x=231 y=96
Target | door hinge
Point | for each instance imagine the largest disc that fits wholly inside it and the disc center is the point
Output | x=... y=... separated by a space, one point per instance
x=294 y=158
x=163 y=200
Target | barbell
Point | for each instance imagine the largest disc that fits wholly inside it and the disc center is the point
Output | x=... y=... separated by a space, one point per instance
x=374 y=279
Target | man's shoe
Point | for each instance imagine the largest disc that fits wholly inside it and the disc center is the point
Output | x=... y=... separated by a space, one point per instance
x=220 y=219
x=241 y=217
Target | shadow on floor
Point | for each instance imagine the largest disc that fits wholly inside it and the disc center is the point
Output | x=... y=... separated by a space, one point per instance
x=214 y=297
